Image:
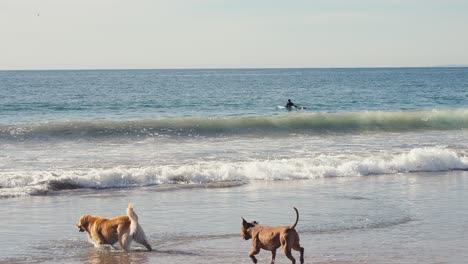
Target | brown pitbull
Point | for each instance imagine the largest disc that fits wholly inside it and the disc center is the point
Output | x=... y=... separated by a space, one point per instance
x=271 y=238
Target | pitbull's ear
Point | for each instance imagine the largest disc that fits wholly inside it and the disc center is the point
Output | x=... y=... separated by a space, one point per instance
x=243 y=221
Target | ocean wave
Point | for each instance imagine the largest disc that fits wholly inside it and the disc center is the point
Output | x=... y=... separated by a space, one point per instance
x=397 y=121
x=321 y=166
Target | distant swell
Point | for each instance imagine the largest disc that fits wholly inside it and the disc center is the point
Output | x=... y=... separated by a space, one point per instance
x=321 y=166
x=398 y=121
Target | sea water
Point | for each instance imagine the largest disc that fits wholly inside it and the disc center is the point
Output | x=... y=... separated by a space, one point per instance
x=376 y=163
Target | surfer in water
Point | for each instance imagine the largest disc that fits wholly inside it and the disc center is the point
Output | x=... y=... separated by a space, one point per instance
x=289 y=105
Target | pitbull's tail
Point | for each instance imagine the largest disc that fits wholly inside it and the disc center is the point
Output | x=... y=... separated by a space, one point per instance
x=297 y=218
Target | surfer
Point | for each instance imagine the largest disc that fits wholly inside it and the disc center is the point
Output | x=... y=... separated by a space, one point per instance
x=290 y=105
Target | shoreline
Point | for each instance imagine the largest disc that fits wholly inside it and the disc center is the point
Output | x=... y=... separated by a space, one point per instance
x=342 y=220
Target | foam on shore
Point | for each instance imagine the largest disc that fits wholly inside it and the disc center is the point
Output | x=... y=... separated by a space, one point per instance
x=321 y=166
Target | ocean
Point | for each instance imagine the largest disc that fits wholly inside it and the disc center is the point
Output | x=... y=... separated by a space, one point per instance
x=376 y=163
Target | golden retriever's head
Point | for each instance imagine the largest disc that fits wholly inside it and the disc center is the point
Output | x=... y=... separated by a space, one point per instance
x=246 y=231
x=83 y=223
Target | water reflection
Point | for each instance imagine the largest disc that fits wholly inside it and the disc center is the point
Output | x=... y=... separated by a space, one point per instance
x=98 y=256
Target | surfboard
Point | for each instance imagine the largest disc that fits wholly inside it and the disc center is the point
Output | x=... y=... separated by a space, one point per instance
x=292 y=108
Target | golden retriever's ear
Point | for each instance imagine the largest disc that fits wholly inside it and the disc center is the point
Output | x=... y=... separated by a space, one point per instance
x=83 y=221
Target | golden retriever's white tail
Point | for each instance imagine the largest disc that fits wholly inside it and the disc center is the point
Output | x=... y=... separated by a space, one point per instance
x=133 y=218
x=136 y=232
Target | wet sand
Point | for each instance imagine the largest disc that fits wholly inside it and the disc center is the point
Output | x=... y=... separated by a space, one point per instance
x=405 y=218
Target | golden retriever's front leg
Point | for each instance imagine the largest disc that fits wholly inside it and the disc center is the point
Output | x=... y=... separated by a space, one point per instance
x=97 y=238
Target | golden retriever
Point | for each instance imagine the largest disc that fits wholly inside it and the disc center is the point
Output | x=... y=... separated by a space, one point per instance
x=108 y=231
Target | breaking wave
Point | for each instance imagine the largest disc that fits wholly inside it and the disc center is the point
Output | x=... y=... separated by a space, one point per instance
x=321 y=166
x=399 y=121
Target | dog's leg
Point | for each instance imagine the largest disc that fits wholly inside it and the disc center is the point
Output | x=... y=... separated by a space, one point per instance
x=297 y=247
x=287 y=252
x=140 y=237
x=100 y=238
x=124 y=241
x=124 y=237
x=145 y=243
x=302 y=255
x=273 y=256
x=254 y=252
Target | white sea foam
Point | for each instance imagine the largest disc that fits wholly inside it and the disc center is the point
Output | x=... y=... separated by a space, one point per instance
x=416 y=160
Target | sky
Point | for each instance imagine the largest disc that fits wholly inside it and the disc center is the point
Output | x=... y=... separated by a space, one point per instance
x=158 y=34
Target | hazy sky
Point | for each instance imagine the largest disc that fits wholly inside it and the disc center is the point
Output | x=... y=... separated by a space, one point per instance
x=127 y=34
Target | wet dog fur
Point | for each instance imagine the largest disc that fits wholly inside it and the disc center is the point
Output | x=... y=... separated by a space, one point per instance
x=123 y=229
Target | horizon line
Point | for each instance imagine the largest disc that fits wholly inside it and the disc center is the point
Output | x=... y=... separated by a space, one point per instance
x=242 y=68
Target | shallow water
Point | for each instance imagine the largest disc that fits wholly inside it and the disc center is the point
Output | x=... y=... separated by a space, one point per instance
x=404 y=218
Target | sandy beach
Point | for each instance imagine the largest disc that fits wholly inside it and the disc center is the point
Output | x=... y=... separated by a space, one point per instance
x=409 y=218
